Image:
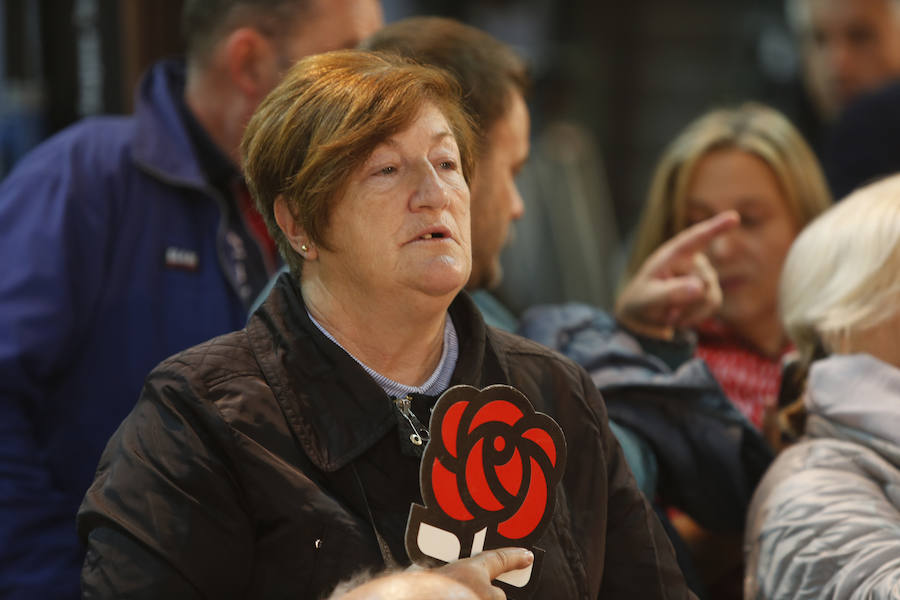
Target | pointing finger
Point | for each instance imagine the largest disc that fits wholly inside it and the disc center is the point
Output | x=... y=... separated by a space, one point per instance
x=695 y=238
x=503 y=560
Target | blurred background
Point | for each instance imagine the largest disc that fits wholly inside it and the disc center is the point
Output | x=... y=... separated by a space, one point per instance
x=615 y=80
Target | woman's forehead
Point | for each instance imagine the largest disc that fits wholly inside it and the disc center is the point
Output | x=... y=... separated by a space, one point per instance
x=429 y=127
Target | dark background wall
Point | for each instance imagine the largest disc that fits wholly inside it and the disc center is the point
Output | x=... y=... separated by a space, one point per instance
x=633 y=73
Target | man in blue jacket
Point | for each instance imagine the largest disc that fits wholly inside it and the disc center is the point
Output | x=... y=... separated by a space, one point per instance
x=122 y=241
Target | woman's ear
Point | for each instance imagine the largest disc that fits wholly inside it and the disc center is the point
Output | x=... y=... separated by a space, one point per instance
x=293 y=231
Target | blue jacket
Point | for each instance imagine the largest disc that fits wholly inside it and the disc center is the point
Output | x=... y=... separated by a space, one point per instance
x=710 y=457
x=114 y=254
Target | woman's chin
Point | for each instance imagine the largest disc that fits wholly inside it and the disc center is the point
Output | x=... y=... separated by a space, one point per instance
x=744 y=316
x=444 y=277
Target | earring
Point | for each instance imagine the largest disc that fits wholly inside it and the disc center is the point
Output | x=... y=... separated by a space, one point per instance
x=304 y=248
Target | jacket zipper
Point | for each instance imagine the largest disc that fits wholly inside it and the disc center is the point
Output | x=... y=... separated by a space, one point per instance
x=420 y=434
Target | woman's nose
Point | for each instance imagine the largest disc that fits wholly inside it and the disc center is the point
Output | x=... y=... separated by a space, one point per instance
x=517 y=205
x=723 y=247
x=431 y=190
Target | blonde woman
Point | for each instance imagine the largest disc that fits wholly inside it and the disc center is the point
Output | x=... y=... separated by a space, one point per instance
x=825 y=520
x=752 y=161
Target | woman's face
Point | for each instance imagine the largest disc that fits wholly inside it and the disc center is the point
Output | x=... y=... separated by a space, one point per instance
x=748 y=259
x=402 y=222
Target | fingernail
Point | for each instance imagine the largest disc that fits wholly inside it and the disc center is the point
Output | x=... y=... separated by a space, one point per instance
x=529 y=556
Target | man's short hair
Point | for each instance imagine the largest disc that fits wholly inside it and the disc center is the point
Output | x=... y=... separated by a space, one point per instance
x=324 y=120
x=488 y=70
x=205 y=22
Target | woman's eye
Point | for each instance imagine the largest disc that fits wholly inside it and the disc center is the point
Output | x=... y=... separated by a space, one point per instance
x=750 y=221
x=694 y=219
x=448 y=165
x=387 y=170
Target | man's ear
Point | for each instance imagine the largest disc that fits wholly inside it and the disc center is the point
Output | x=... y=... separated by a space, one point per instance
x=293 y=231
x=252 y=62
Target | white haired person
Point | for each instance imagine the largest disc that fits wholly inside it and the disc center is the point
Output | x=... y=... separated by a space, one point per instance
x=825 y=520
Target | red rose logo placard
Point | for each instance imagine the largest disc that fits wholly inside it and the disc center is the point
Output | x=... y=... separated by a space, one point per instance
x=488 y=478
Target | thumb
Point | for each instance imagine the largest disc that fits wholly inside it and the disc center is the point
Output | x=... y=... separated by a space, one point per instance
x=502 y=560
x=662 y=295
x=681 y=291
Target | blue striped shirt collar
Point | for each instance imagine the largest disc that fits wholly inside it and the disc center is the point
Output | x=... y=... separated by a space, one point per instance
x=434 y=385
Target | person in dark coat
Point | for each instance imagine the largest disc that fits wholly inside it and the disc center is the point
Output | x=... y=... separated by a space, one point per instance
x=846 y=48
x=279 y=460
x=863 y=144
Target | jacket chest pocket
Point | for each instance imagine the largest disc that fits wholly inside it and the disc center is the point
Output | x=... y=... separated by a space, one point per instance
x=308 y=557
x=340 y=552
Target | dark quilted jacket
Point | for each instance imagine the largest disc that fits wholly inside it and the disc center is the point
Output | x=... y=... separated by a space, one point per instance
x=250 y=464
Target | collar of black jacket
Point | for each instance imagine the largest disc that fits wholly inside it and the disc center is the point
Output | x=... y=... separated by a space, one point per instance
x=335 y=410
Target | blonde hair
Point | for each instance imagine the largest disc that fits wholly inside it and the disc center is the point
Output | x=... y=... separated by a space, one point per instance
x=324 y=120
x=842 y=275
x=751 y=128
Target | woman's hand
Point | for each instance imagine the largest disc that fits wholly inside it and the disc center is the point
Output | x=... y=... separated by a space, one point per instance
x=478 y=571
x=676 y=286
x=466 y=579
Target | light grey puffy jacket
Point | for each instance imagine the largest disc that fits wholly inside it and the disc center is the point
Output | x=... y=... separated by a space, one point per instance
x=824 y=522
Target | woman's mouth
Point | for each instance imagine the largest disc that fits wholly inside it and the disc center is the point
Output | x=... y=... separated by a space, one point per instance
x=433 y=234
x=730 y=283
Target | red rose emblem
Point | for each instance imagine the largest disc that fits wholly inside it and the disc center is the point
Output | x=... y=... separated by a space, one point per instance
x=494 y=460
x=488 y=478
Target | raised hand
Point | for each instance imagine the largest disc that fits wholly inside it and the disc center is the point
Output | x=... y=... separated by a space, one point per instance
x=676 y=287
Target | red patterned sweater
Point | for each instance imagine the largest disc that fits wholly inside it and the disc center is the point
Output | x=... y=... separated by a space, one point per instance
x=749 y=379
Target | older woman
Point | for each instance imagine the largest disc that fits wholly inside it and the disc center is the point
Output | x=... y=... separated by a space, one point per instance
x=825 y=520
x=752 y=161
x=281 y=459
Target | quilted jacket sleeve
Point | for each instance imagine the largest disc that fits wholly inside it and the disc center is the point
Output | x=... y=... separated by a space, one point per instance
x=118 y=566
x=164 y=516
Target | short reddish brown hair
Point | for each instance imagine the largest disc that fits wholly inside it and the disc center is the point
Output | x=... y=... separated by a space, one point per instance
x=324 y=120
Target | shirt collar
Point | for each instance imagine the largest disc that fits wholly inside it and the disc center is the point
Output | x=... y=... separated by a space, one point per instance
x=433 y=386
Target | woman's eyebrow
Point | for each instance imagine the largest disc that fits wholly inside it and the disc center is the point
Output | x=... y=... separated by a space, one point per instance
x=437 y=136
x=748 y=201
